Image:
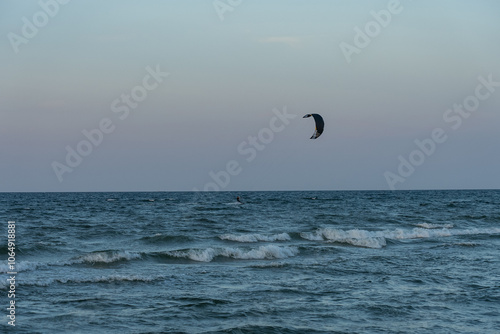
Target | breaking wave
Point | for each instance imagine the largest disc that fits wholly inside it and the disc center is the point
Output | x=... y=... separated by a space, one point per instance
x=434 y=226
x=106 y=257
x=255 y=237
x=359 y=238
x=21 y=266
x=378 y=239
x=91 y=258
x=268 y=252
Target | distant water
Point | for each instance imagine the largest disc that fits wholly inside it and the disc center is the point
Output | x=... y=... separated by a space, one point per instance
x=282 y=262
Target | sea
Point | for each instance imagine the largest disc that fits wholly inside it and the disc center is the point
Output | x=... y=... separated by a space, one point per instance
x=278 y=262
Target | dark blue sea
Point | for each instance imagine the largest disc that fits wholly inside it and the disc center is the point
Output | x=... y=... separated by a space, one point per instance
x=281 y=262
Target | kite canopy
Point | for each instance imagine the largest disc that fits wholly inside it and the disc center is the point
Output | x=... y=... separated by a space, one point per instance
x=320 y=125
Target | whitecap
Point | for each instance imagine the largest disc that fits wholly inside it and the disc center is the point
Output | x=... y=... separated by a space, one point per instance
x=268 y=252
x=377 y=239
x=434 y=226
x=20 y=266
x=255 y=237
x=107 y=257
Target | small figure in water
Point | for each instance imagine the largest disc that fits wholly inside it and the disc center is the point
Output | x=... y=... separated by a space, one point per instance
x=238 y=199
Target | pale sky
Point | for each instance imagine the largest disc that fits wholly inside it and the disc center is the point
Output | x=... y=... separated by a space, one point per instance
x=175 y=89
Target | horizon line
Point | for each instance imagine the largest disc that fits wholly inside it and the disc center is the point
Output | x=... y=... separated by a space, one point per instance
x=233 y=191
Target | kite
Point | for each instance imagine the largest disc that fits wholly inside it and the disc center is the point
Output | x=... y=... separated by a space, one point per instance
x=320 y=124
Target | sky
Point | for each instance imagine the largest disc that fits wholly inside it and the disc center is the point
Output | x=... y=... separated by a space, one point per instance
x=153 y=95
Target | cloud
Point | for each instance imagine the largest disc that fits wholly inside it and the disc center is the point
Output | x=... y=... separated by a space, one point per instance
x=288 y=40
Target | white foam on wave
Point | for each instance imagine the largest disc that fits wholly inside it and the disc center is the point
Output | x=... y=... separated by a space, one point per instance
x=360 y=238
x=107 y=257
x=92 y=258
x=434 y=226
x=378 y=239
x=98 y=279
x=268 y=252
x=111 y=278
x=20 y=266
x=255 y=237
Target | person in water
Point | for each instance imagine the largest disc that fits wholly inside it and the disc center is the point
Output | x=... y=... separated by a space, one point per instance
x=238 y=199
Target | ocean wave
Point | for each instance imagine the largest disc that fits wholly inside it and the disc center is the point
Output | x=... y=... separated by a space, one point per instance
x=255 y=237
x=465 y=244
x=360 y=238
x=268 y=252
x=36 y=248
x=112 y=278
x=106 y=257
x=91 y=258
x=378 y=239
x=161 y=238
x=434 y=226
x=21 y=266
x=269 y=265
x=98 y=279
